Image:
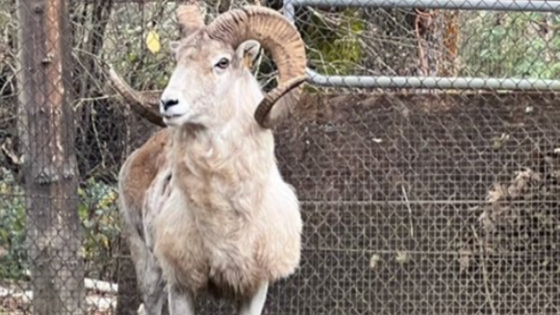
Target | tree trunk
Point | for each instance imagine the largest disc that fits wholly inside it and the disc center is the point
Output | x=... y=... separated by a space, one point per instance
x=46 y=130
x=450 y=43
x=402 y=42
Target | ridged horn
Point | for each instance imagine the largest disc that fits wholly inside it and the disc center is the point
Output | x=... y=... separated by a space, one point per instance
x=137 y=101
x=190 y=17
x=277 y=35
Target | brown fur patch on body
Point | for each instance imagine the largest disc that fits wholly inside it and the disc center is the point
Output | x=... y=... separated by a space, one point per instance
x=141 y=168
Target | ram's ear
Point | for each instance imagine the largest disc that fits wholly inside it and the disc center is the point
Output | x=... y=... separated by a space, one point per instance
x=248 y=51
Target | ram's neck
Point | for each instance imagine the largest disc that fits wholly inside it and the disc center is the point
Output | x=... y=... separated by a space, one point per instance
x=224 y=169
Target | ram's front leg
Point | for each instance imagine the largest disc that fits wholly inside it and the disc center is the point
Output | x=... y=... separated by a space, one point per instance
x=180 y=302
x=255 y=304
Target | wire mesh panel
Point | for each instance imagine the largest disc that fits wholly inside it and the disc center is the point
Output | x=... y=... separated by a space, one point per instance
x=414 y=201
x=429 y=44
x=423 y=204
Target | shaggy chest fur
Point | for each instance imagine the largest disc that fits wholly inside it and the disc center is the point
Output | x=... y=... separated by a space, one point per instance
x=214 y=218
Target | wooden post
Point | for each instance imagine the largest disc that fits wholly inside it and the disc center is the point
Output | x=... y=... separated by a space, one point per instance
x=46 y=128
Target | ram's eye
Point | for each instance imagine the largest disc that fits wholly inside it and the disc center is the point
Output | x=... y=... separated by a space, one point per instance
x=223 y=63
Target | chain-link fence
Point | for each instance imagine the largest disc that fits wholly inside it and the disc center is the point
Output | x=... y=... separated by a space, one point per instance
x=418 y=201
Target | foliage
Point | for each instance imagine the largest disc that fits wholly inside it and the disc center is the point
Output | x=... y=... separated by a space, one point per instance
x=126 y=44
x=100 y=227
x=335 y=49
x=513 y=44
x=7 y=31
x=12 y=228
x=98 y=217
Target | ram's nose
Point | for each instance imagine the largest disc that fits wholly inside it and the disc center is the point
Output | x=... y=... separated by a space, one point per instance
x=172 y=104
x=166 y=103
x=169 y=99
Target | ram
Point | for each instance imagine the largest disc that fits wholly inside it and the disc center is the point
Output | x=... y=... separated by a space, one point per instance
x=204 y=206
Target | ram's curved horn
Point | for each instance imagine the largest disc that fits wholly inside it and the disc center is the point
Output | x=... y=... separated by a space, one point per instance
x=277 y=35
x=137 y=101
x=190 y=17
